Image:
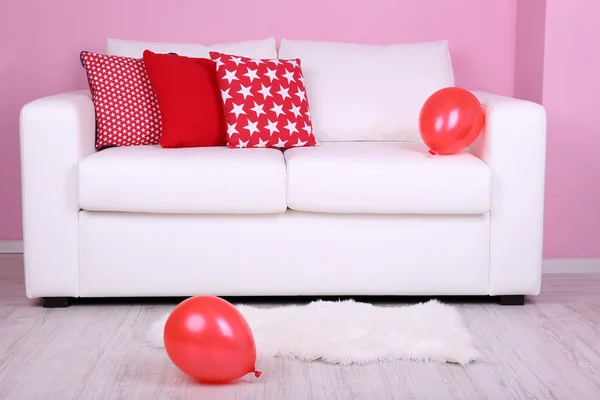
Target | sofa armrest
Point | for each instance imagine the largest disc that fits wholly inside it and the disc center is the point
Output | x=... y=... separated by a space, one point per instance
x=56 y=132
x=513 y=144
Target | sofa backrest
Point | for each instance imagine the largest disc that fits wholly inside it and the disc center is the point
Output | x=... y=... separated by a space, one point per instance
x=361 y=92
x=251 y=48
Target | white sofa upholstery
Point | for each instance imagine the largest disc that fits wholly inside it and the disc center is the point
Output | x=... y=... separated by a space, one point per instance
x=378 y=216
x=189 y=180
x=385 y=178
x=514 y=146
x=365 y=92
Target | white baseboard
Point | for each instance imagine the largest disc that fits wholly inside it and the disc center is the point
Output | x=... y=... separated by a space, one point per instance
x=571 y=266
x=549 y=266
x=11 y=246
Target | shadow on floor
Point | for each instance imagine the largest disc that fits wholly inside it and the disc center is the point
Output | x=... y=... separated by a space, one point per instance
x=288 y=300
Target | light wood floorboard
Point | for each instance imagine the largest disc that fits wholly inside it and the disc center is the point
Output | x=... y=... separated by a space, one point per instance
x=547 y=349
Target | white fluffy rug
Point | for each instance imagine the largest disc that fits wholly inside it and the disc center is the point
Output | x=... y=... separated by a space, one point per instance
x=348 y=332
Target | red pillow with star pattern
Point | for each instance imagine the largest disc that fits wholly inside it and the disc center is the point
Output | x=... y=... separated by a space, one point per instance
x=127 y=112
x=264 y=101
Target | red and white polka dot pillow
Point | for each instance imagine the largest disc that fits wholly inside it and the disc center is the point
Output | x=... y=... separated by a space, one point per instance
x=127 y=112
x=264 y=101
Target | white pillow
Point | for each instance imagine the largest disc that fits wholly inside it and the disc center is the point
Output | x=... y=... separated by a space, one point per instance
x=369 y=92
x=252 y=48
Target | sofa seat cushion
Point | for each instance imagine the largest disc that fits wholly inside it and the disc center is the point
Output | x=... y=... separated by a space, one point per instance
x=183 y=180
x=385 y=178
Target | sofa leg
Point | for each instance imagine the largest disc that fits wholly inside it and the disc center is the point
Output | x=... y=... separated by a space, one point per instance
x=512 y=300
x=55 y=302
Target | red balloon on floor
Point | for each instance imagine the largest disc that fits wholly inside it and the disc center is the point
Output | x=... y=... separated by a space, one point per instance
x=450 y=120
x=208 y=339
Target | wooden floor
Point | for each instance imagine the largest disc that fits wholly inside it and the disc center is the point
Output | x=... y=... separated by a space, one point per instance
x=547 y=349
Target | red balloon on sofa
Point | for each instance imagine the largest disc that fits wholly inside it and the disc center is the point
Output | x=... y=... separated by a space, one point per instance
x=450 y=120
x=208 y=339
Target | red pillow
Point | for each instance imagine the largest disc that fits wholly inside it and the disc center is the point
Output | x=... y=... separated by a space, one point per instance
x=127 y=112
x=189 y=100
x=264 y=101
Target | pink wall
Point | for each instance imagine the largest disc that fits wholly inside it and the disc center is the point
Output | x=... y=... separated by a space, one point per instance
x=42 y=40
x=529 y=50
x=571 y=97
x=544 y=49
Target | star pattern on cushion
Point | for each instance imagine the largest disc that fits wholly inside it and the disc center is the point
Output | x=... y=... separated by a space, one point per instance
x=127 y=112
x=264 y=101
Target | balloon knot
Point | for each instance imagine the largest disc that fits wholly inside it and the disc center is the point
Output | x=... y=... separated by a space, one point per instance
x=257 y=373
x=432 y=152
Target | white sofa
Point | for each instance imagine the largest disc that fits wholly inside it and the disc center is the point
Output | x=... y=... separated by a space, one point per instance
x=367 y=212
